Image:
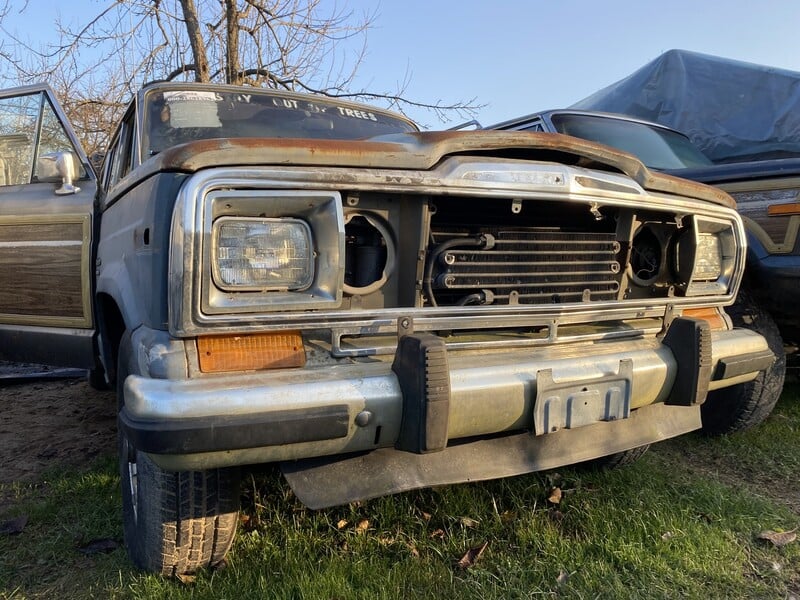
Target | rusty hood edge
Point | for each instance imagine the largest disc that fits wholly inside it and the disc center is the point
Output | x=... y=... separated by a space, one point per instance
x=413 y=151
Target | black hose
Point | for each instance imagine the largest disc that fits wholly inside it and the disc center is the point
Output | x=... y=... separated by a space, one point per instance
x=478 y=241
x=477 y=297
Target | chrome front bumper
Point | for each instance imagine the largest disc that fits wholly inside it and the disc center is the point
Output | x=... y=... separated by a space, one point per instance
x=269 y=416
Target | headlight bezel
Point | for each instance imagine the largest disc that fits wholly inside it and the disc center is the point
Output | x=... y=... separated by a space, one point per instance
x=688 y=250
x=319 y=211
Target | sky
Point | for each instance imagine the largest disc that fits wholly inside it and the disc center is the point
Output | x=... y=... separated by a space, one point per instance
x=516 y=57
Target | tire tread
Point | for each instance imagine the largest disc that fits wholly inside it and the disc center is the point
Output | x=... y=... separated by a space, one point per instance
x=746 y=405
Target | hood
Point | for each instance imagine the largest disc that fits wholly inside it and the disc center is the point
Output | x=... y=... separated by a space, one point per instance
x=419 y=152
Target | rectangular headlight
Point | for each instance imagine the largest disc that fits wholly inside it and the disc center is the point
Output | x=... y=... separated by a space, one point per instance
x=252 y=254
x=709 y=255
x=708 y=259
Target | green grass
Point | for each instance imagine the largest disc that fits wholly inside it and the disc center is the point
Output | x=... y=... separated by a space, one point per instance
x=682 y=522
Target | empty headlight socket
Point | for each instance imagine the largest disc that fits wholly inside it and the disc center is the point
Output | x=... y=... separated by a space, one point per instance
x=370 y=254
x=650 y=252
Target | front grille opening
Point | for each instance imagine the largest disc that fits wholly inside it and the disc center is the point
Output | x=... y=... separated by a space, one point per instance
x=542 y=257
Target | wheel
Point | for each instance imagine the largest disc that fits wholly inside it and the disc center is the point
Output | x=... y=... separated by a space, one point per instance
x=618 y=459
x=174 y=522
x=747 y=404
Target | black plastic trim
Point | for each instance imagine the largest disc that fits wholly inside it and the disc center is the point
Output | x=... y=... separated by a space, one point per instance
x=210 y=434
x=420 y=364
x=690 y=342
x=734 y=366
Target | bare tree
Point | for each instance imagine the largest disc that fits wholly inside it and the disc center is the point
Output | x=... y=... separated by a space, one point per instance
x=290 y=44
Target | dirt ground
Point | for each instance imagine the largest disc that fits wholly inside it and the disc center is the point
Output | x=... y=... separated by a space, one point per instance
x=73 y=424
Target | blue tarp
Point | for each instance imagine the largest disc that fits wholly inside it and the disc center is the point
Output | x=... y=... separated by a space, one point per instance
x=731 y=110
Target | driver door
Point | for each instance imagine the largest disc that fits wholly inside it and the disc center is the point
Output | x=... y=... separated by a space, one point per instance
x=47 y=200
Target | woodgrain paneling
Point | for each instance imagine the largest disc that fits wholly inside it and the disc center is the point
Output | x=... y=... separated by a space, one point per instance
x=41 y=280
x=44 y=271
x=21 y=233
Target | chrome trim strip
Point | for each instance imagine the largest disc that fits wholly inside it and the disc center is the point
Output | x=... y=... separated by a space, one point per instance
x=552 y=337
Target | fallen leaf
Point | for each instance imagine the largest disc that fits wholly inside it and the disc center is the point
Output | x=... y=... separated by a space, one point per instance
x=14 y=526
x=555 y=496
x=342 y=524
x=249 y=522
x=438 y=534
x=562 y=578
x=507 y=516
x=186 y=579
x=467 y=522
x=413 y=549
x=98 y=546
x=472 y=556
x=362 y=526
x=667 y=535
x=426 y=516
x=778 y=538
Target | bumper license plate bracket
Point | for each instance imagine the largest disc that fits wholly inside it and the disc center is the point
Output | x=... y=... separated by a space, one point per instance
x=571 y=404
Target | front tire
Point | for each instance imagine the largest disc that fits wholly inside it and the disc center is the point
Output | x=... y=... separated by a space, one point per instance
x=174 y=522
x=746 y=405
x=618 y=459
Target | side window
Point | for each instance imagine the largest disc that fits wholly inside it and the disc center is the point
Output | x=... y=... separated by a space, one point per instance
x=535 y=126
x=19 y=119
x=108 y=162
x=30 y=136
x=52 y=139
x=121 y=152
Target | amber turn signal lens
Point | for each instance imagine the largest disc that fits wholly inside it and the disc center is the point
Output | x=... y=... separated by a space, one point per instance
x=777 y=210
x=711 y=315
x=251 y=352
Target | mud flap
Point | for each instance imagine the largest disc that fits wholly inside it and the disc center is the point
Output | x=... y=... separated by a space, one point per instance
x=331 y=480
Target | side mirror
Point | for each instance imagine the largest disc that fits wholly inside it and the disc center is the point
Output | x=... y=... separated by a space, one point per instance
x=60 y=164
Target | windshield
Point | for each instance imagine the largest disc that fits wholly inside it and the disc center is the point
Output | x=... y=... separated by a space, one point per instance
x=656 y=147
x=177 y=116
